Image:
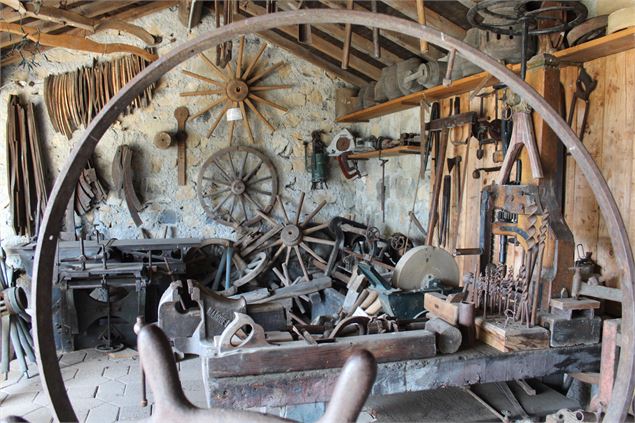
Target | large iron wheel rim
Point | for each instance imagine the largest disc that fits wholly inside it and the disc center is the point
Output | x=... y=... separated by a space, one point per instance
x=48 y=365
x=247 y=200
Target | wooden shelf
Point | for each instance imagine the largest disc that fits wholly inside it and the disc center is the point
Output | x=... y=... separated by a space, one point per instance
x=601 y=47
x=388 y=152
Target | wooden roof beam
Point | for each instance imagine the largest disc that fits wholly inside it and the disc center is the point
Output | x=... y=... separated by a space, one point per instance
x=433 y=19
x=318 y=43
x=358 y=42
x=303 y=53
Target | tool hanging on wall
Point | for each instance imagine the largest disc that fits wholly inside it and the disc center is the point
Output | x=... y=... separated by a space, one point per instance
x=226 y=8
x=349 y=168
x=74 y=98
x=88 y=191
x=316 y=160
x=382 y=188
x=432 y=138
x=28 y=194
x=122 y=181
x=584 y=86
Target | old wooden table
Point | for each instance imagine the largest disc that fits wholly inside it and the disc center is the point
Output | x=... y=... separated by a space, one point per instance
x=481 y=364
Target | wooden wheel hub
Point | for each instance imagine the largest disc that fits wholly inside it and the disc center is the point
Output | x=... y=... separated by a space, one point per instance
x=238 y=187
x=291 y=235
x=237 y=90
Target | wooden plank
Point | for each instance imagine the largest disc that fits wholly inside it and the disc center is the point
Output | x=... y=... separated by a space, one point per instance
x=597 y=48
x=600 y=47
x=300 y=356
x=573 y=304
x=629 y=131
x=511 y=337
x=436 y=304
x=388 y=152
x=477 y=365
x=433 y=19
x=617 y=157
x=320 y=44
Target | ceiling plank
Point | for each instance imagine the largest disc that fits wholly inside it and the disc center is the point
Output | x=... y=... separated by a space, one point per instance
x=359 y=42
x=303 y=53
x=320 y=44
x=146 y=8
x=409 y=43
x=433 y=19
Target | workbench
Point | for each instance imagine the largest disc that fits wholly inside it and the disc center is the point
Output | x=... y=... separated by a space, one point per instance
x=480 y=364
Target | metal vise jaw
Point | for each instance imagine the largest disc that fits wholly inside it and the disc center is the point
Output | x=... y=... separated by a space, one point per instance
x=192 y=330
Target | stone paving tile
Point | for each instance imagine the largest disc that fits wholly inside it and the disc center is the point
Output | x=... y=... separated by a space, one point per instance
x=18 y=404
x=80 y=381
x=41 y=399
x=115 y=371
x=82 y=392
x=110 y=390
x=72 y=358
x=3 y=396
x=41 y=415
x=134 y=413
x=103 y=414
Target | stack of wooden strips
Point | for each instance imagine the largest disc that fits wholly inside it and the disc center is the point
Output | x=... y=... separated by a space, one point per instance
x=74 y=98
x=25 y=169
x=89 y=190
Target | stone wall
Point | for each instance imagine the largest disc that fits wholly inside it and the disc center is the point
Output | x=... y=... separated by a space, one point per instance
x=311 y=106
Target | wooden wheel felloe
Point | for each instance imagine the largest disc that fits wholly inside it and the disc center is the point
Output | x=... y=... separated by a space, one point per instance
x=237 y=88
x=235 y=184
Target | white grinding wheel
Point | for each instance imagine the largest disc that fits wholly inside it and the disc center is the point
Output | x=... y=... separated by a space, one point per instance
x=422 y=263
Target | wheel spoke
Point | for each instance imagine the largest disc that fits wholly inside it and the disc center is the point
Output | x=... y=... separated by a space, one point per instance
x=284 y=211
x=215 y=181
x=264 y=73
x=246 y=120
x=231 y=164
x=267 y=102
x=319 y=241
x=287 y=258
x=215 y=193
x=242 y=204
x=278 y=252
x=217 y=121
x=257 y=181
x=302 y=265
x=225 y=175
x=208 y=108
x=222 y=203
x=253 y=171
x=231 y=210
x=315 y=228
x=253 y=201
x=268 y=219
x=198 y=93
x=242 y=166
x=313 y=253
x=214 y=68
x=270 y=87
x=310 y=217
x=259 y=191
x=255 y=61
x=299 y=209
x=258 y=114
x=203 y=78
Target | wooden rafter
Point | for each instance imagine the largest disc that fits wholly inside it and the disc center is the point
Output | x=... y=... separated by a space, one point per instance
x=128 y=14
x=322 y=45
x=305 y=54
x=358 y=42
x=433 y=19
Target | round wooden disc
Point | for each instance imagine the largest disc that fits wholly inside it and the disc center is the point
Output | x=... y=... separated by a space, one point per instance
x=163 y=140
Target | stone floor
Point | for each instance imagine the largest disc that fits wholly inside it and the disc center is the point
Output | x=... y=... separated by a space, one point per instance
x=102 y=388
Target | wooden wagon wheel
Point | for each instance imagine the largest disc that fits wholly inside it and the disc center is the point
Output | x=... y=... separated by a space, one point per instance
x=236 y=88
x=208 y=264
x=235 y=184
x=296 y=236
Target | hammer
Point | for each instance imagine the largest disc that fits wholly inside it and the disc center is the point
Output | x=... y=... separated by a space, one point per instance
x=456 y=161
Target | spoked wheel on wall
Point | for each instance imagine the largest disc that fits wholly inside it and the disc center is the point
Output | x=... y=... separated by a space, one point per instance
x=235 y=183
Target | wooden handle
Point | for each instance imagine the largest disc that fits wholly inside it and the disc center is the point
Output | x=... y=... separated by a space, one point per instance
x=181 y=114
x=421 y=18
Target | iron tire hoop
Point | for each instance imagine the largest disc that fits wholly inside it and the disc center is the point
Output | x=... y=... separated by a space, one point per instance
x=48 y=364
x=522 y=14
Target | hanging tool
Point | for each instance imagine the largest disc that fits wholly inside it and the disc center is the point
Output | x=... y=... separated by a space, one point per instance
x=461 y=191
x=477 y=172
x=382 y=188
x=181 y=114
x=584 y=86
x=435 y=113
x=445 y=210
x=349 y=167
x=454 y=169
x=433 y=215
x=316 y=160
